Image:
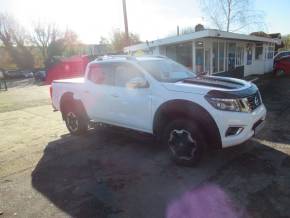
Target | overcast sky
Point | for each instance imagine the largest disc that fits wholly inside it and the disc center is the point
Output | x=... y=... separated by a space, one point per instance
x=150 y=19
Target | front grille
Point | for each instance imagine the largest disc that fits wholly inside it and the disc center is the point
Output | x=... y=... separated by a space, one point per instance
x=254 y=101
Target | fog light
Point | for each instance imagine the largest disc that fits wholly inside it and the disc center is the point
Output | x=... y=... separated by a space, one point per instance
x=234 y=131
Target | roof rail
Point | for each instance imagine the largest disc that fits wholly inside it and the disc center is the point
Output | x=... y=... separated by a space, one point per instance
x=105 y=57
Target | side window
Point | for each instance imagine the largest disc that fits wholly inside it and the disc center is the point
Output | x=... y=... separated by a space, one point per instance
x=125 y=72
x=259 y=51
x=101 y=74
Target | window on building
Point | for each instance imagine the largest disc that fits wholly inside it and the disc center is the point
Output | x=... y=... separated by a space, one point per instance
x=259 y=51
x=207 y=60
x=218 y=56
x=231 y=48
x=249 y=53
x=171 y=52
x=182 y=53
x=270 y=51
x=215 y=57
x=240 y=56
x=199 y=57
x=221 y=56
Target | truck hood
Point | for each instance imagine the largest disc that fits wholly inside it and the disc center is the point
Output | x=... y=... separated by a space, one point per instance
x=205 y=84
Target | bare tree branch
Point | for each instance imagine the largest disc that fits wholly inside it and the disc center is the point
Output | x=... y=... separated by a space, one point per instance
x=15 y=40
x=43 y=35
x=232 y=15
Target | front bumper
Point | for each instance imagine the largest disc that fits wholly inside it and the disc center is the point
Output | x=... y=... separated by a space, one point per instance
x=250 y=122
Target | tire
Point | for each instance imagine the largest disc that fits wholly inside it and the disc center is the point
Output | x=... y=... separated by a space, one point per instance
x=185 y=141
x=75 y=122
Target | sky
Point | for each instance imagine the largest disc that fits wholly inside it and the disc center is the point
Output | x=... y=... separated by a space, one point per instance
x=150 y=19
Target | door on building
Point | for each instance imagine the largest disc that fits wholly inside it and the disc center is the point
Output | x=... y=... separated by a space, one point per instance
x=199 y=57
x=231 y=56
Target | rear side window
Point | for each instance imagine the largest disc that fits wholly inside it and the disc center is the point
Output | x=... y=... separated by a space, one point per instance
x=101 y=74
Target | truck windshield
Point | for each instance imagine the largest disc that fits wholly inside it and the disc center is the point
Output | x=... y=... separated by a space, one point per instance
x=166 y=70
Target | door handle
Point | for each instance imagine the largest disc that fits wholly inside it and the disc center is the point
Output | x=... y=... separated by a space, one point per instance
x=115 y=95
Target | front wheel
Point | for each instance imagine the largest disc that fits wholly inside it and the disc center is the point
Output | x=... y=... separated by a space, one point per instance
x=75 y=123
x=185 y=142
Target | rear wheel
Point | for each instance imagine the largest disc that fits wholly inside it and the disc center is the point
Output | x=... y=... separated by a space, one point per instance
x=75 y=122
x=185 y=142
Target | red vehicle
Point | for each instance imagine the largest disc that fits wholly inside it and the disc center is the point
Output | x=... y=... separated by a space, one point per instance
x=67 y=68
x=282 y=66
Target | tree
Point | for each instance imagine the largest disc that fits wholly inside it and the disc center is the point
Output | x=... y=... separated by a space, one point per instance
x=72 y=45
x=232 y=15
x=43 y=36
x=118 y=40
x=104 y=41
x=52 y=42
x=286 y=42
x=15 y=40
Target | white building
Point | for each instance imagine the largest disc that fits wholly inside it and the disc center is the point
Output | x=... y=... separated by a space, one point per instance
x=215 y=52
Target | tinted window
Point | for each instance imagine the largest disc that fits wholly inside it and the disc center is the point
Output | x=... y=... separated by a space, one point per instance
x=101 y=74
x=124 y=72
x=166 y=70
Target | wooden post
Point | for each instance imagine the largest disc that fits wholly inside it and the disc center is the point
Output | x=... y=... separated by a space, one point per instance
x=126 y=22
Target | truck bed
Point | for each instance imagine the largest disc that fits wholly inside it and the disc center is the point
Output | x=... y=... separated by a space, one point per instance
x=59 y=87
x=72 y=80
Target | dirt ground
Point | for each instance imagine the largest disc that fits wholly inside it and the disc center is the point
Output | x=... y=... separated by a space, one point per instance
x=45 y=172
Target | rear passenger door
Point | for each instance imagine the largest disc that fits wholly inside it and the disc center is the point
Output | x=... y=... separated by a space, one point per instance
x=97 y=92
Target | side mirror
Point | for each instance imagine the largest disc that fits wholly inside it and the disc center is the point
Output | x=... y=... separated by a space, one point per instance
x=137 y=83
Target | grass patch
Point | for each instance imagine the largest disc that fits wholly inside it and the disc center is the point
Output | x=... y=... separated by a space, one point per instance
x=22 y=97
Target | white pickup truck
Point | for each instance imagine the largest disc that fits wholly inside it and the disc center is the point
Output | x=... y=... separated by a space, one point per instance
x=159 y=96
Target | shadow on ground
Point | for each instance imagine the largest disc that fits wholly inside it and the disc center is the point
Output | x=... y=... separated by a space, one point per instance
x=276 y=97
x=109 y=174
x=112 y=173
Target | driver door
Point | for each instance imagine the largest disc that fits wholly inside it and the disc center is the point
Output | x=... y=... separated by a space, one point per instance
x=131 y=105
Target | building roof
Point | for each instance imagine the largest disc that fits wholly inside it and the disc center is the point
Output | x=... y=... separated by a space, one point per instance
x=208 y=33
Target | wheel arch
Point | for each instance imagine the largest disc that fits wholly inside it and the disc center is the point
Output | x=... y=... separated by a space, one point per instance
x=67 y=100
x=175 y=109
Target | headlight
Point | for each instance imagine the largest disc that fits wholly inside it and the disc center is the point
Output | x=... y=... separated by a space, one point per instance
x=236 y=105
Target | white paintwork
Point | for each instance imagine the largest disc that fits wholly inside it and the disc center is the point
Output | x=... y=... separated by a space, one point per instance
x=135 y=108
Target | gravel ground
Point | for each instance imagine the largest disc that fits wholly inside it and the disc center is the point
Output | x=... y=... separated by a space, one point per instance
x=45 y=172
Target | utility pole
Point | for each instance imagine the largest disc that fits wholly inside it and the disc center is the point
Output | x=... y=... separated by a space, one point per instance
x=126 y=22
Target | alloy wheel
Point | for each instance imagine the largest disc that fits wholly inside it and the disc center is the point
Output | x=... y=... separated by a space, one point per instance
x=182 y=144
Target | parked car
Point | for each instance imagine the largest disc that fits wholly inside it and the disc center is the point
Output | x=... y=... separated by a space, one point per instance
x=161 y=97
x=27 y=73
x=280 y=55
x=282 y=66
x=17 y=74
x=40 y=75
